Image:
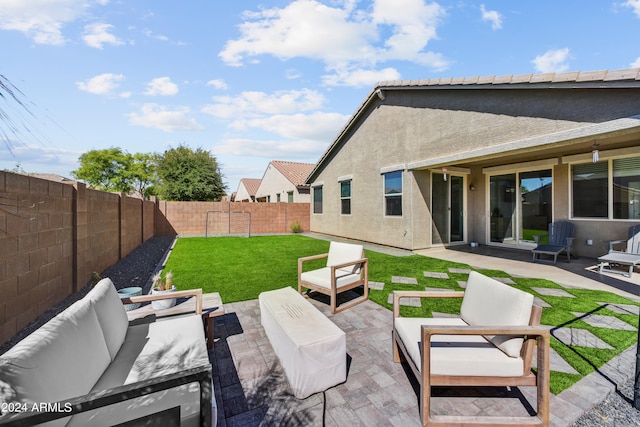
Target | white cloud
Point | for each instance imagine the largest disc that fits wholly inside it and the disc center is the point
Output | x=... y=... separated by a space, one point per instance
x=217 y=84
x=41 y=20
x=342 y=38
x=270 y=149
x=360 y=78
x=634 y=4
x=102 y=84
x=492 y=16
x=318 y=126
x=552 y=61
x=251 y=104
x=161 y=86
x=159 y=117
x=636 y=63
x=97 y=34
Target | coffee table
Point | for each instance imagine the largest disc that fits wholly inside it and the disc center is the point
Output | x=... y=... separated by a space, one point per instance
x=211 y=307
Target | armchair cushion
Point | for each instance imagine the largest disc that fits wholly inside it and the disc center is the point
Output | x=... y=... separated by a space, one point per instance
x=488 y=302
x=322 y=277
x=459 y=355
x=340 y=253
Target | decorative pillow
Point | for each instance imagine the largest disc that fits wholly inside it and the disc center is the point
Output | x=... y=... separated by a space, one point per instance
x=111 y=314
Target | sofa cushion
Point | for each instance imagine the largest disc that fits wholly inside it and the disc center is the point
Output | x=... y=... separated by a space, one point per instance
x=111 y=314
x=339 y=253
x=322 y=277
x=488 y=302
x=151 y=350
x=464 y=355
x=62 y=359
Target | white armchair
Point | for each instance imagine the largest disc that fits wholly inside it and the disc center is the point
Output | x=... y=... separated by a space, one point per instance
x=346 y=269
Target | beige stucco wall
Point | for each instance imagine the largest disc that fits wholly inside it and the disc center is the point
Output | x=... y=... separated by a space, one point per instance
x=413 y=126
x=274 y=183
x=242 y=195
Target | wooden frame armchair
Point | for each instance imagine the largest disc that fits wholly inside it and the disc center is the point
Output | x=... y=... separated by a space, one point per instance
x=346 y=269
x=445 y=343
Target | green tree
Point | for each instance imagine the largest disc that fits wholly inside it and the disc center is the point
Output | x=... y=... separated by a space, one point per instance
x=187 y=175
x=108 y=170
x=143 y=173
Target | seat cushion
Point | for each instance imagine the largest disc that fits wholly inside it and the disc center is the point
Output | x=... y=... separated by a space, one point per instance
x=340 y=253
x=322 y=277
x=151 y=350
x=62 y=359
x=488 y=302
x=111 y=314
x=459 y=355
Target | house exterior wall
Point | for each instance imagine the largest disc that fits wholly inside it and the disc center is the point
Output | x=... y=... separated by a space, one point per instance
x=412 y=126
x=274 y=183
x=242 y=195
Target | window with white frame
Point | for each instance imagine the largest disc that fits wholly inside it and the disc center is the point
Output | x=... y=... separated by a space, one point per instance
x=345 y=197
x=317 y=199
x=290 y=197
x=393 y=193
x=608 y=189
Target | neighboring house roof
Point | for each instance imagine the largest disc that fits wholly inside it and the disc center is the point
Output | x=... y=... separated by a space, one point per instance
x=53 y=177
x=295 y=172
x=251 y=185
x=628 y=78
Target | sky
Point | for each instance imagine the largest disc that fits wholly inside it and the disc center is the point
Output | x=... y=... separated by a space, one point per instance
x=254 y=81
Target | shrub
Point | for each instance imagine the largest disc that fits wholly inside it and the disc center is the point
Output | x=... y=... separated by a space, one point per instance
x=296 y=227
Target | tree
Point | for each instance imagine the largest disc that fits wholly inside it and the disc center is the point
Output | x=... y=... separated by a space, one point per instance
x=108 y=170
x=187 y=175
x=143 y=173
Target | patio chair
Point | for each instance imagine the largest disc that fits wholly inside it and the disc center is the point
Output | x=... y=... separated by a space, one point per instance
x=490 y=345
x=560 y=238
x=629 y=257
x=346 y=269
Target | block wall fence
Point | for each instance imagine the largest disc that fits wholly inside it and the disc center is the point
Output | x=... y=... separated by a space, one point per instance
x=54 y=235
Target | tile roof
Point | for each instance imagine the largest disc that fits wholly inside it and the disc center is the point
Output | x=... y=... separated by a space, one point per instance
x=251 y=184
x=295 y=172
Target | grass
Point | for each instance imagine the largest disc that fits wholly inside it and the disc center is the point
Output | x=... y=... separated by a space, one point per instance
x=240 y=268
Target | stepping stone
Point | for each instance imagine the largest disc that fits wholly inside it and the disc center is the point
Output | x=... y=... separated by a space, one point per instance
x=460 y=270
x=462 y=284
x=411 y=302
x=556 y=362
x=505 y=280
x=621 y=308
x=579 y=337
x=436 y=275
x=553 y=292
x=445 y=315
x=541 y=303
x=376 y=285
x=438 y=289
x=404 y=280
x=600 y=321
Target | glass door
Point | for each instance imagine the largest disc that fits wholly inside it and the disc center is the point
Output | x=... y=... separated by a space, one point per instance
x=447 y=209
x=520 y=206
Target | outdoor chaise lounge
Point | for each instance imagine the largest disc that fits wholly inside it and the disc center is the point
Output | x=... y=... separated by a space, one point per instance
x=484 y=347
x=560 y=238
x=630 y=257
x=346 y=269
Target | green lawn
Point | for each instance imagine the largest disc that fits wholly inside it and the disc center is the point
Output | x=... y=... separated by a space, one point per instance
x=240 y=268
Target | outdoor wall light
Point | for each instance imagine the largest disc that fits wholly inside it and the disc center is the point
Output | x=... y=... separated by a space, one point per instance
x=472 y=187
x=595 y=153
x=380 y=94
x=444 y=173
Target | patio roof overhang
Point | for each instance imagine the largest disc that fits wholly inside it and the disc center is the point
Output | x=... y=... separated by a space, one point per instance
x=614 y=134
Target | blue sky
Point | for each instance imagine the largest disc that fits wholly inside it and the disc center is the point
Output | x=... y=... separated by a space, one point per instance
x=255 y=81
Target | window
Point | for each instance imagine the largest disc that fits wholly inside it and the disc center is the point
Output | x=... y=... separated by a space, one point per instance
x=594 y=183
x=278 y=197
x=345 y=197
x=290 y=197
x=317 y=200
x=393 y=193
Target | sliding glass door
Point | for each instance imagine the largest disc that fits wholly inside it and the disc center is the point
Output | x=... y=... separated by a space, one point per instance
x=520 y=206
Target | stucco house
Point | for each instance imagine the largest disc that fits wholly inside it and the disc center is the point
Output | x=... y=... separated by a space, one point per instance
x=494 y=160
x=285 y=182
x=247 y=190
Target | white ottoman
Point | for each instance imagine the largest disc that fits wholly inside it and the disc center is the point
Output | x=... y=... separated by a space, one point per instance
x=311 y=349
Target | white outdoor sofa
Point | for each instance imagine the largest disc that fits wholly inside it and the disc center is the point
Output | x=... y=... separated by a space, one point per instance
x=484 y=347
x=90 y=367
